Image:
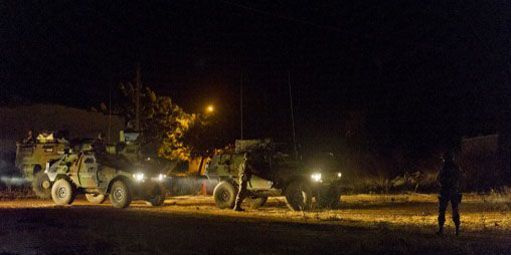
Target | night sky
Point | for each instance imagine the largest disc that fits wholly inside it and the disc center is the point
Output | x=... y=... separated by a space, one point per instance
x=422 y=73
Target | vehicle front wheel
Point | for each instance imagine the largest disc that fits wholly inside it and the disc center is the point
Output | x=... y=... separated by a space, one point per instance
x=41 y=185
x=95 y=198
x=120 y=194
x=158 y=198
x=225 y=195
x=298 y=196
x=256 y=202
x=63 y=192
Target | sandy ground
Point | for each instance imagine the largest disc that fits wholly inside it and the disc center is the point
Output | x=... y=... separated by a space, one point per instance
x=376 y=224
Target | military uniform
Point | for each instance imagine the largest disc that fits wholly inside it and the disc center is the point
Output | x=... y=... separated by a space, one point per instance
x=98 y=145
x=245 y=173
x=29 y=139
x=449 y=179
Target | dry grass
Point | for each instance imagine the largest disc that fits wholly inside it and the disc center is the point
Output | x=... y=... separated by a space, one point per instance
x=366 y=224
x=478 y=212
x=16 y=193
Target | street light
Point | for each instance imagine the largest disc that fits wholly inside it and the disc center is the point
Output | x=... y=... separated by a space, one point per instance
x=210 y=109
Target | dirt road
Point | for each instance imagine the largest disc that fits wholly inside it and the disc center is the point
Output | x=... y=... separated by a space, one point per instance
x=367 y=224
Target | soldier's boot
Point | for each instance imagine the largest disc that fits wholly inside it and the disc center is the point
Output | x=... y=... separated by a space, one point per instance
x=238 y=209
x=456 y=215
x=237 y=205
x=442 y=206
x=456 y=219
x=441 y=222
x=239 y=199
x=440 y=231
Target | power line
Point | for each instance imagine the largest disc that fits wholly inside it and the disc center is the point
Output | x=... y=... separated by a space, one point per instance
x=266 y=13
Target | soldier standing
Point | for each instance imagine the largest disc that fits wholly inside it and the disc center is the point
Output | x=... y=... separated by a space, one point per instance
x=245 y=172
x=29 y=139
x=98 y=145
x=449 y=179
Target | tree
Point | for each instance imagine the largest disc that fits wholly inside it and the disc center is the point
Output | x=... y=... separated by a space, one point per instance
x=166 y=128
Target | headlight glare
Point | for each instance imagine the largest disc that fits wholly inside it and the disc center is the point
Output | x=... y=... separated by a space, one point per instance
x=138 y=177
x=339 y=175
x=316 y=177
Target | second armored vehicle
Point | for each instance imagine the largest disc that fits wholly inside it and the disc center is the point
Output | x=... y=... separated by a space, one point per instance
x=31 y=159
x=282 y=176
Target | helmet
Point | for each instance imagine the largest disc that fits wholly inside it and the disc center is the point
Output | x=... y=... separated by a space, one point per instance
x=448 y=155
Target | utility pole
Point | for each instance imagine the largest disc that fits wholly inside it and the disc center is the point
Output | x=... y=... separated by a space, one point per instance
x=292 y=114
x=137 y=98
x=109 y=112
x=241 y=106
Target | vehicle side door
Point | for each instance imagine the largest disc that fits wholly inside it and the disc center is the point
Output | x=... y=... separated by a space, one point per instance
x=87 y=172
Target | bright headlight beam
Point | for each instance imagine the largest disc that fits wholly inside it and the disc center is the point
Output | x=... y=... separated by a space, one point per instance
x=138 y=177
x=316 y=177
x=339 y=174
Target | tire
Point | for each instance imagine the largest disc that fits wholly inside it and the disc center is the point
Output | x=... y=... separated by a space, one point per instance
x=95 y=198
x=63 y=192
x=120 y=194
x=158 y=199
x=329 y=198
x=298 y=196
x=256 y=202
x=41 y=185
x=225 y=195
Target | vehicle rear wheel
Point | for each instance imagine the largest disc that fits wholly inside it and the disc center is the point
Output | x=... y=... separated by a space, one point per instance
x=120 y=194
x=95 y=198
x=63 y=192
x=225 y=195
x=330 y=198
x=158 y=198
x=298 y=196
x=41 y=185
x=256 y=202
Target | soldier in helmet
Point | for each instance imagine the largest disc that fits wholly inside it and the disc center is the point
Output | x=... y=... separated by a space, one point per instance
x=246 y=170
x=449 y=179
x=98 y=145
x=29 y=139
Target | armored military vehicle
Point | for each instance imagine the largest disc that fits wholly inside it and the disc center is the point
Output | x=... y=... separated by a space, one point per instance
x=279 y=174
x=51 y=154
x=41 y=183
x=99 y=176
x=31 y=159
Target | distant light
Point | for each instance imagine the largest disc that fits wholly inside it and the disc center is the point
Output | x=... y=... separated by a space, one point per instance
x=210 y=109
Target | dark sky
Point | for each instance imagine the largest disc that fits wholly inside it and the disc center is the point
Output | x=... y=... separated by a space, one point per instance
x=421 y=71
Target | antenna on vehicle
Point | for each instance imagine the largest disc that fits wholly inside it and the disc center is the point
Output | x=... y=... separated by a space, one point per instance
x=109 y=112
x=292 y=115
x=137 y=98
x=241 y=106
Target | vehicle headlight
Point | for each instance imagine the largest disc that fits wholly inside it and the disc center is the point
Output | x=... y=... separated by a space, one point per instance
x=161 y=177
x=316 y=177
x=339 y=175
x=138 y=177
